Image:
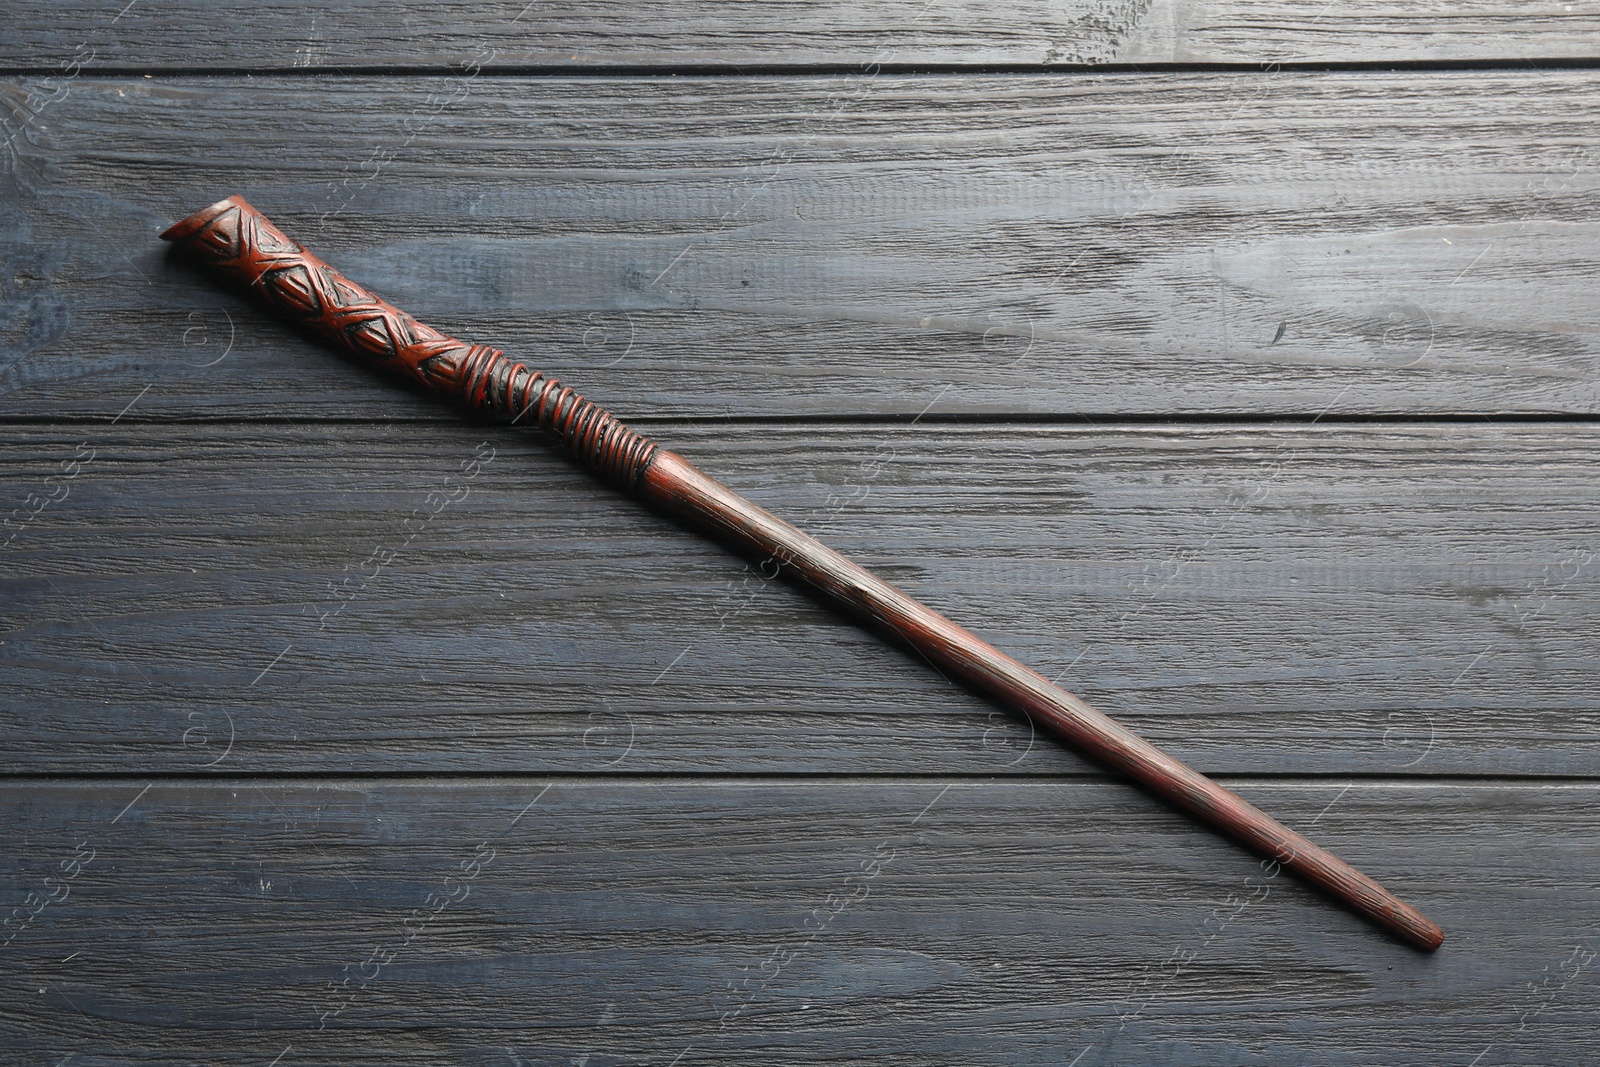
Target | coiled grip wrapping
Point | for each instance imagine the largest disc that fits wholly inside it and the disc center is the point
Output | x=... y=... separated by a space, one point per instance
x=245 y=246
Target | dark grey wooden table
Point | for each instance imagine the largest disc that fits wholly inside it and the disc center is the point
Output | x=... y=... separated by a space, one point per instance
x=1237 y=363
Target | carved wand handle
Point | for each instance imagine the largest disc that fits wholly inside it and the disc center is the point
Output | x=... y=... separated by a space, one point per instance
x=241 y=242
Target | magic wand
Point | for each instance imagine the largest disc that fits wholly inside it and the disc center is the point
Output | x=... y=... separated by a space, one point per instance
x=245 y=246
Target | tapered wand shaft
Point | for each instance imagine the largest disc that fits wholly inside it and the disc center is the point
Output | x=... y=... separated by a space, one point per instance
x=241 y=242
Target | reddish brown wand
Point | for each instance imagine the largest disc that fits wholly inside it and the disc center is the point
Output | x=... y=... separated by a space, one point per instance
x=241 y=242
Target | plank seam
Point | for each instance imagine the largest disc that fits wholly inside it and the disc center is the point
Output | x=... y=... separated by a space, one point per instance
x=1099 y=419
x=793 y=70
x=1374 y=778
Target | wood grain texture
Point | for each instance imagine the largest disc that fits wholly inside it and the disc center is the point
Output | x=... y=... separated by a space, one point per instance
x=366 y=33
x=525 y=921
x=1325 y=599
x=1137 y=244
x=243 y=246
x=1391 y=624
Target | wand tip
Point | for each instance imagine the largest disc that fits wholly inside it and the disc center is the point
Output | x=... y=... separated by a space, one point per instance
x=186 y=227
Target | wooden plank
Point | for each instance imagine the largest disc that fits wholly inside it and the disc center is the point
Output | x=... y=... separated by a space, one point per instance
x=1356 y=242
x=936 y=920
x=365 y=33
x=1331 y=599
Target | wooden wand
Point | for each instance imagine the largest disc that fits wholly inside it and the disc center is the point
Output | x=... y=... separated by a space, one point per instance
x=242 y=243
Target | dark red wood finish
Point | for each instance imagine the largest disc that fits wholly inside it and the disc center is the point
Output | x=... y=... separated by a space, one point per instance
x=236 y=238
x=245 y=245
